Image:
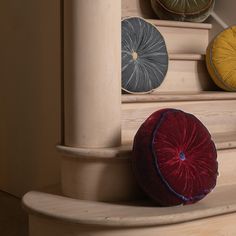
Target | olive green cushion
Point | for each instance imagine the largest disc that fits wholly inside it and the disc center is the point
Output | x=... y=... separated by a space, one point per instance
x=183 y=10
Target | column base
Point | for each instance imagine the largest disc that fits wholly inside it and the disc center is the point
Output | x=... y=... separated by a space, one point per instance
x=98 y=174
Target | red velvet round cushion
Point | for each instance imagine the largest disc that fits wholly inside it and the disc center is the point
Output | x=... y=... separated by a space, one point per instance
x=174 y=158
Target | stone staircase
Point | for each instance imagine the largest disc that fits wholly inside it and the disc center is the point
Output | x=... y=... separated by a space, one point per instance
x=56 y=215
x=101 y=196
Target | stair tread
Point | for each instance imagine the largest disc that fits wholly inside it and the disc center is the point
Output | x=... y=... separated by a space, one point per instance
x=129 y=214
x=225 y=140
x=222 y=141
x=169 y=97
x=122 y=152
x=180 y=24
x=187 y=56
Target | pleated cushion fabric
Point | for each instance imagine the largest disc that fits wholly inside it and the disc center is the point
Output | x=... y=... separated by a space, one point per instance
x=183 y=10
x=144 y=56
x=221 y=59
x=174 y=158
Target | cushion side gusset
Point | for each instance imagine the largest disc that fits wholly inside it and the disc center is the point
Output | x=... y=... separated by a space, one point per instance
x=142 y=153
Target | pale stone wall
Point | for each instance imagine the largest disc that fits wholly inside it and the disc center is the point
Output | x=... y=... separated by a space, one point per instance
x=29 y=94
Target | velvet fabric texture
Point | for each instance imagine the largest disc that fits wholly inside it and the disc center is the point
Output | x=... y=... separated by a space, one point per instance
x=220 y=59
x=144 y=56
x=183 y=10
x=174 y=158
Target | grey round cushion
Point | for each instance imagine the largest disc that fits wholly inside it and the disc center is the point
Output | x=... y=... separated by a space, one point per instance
x=183 y=10
x=144 y=56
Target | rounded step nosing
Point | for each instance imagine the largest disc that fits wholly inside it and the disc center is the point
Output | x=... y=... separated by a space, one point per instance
x=178 y=24
x=112 y=214
x=122 y=152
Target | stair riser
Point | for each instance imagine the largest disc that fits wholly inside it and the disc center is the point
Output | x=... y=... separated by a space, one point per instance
x=113 y=180
x=218 y=116
x=212 y=226
x=186 y=76
x=179 y=39
x=227 y=167
x=137 y=8
x=185 y=40
x=98 y=180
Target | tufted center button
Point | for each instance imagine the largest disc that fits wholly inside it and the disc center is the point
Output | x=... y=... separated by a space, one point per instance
x=135 y=56
x=182 y=156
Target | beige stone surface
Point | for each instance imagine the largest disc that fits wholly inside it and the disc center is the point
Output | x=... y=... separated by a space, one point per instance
x=129 y=214
x=92 y=71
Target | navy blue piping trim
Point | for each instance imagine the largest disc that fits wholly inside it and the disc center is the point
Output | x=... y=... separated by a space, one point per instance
x=182 y=197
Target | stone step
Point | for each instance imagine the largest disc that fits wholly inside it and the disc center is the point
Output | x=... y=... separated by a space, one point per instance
x=177 y=96
x=181 y=37
x=56 y=215
x=137 y=8
x=216 y=110
x=184 y=37
x=106 y=174
x=187 y=73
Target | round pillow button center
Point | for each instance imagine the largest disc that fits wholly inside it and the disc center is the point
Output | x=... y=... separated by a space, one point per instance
x=135 y=56
x=182 y=156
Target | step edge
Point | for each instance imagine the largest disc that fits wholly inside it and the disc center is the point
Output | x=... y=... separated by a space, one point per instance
x=170 y=97
x=186 y=57
x=179 y=24
x=123 y=152
x=30 y=202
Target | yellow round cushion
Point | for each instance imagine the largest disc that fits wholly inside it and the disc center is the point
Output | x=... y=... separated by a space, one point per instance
x=221 y=59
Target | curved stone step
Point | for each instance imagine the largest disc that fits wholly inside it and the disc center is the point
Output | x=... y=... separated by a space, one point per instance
x=112 y=178
x=129 y=214
x=222 y=141
x=125 y=218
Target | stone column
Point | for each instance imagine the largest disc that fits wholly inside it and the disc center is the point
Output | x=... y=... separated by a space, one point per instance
x=92 y=71
x=93 y=165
